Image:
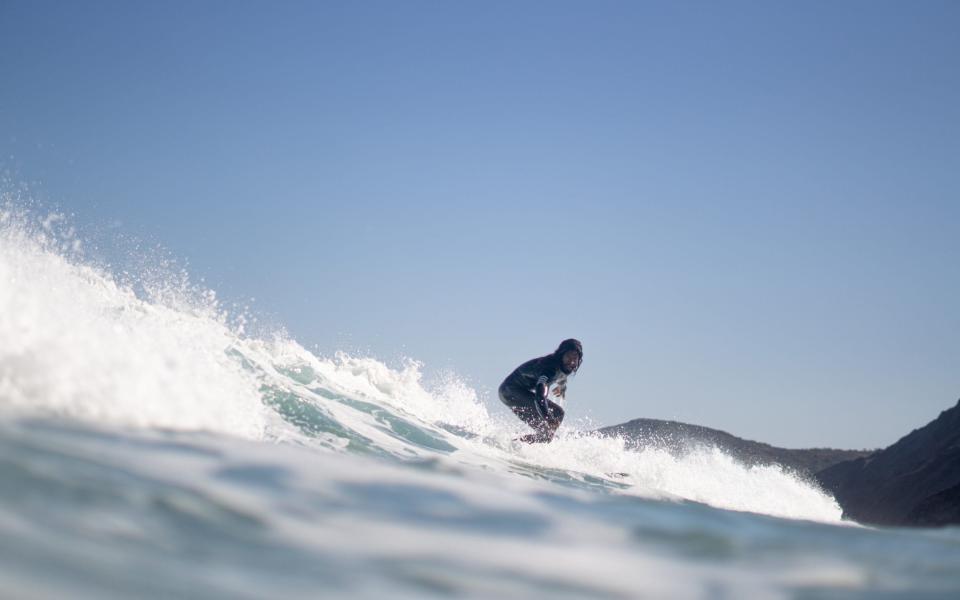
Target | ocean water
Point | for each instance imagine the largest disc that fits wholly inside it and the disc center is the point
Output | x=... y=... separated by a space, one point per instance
x=150 y=447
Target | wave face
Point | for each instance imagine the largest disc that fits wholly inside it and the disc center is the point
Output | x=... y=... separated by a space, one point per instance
x=149 y=417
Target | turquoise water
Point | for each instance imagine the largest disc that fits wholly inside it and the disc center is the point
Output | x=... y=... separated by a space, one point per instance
x=150 y=448
x=101 y=512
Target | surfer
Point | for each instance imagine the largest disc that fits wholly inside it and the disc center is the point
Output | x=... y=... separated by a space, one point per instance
x=526 y=390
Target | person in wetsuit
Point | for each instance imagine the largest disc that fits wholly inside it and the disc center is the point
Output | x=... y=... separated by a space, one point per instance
x=525 y=390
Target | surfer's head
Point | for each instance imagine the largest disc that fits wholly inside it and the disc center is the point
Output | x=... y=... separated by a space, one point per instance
x=570 y=353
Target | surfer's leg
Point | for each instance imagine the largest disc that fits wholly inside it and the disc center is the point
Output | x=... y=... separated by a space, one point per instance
x=555 y=417
x=523 y=403
x=547 y=427
x=544 y=427
x=528 y=415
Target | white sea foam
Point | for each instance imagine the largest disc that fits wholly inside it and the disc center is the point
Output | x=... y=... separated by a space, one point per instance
x=74 y=342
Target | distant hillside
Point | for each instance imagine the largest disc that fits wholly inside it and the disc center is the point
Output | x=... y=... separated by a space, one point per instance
x=678 y=437
x=916 y=481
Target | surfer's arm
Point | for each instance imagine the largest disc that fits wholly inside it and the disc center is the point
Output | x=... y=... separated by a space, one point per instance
x=543 y=391
x=543 y=387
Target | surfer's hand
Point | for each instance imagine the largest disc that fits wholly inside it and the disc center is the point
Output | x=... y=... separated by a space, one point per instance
x=558 y=392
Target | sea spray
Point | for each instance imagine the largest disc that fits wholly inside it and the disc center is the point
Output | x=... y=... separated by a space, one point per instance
x=77 y=343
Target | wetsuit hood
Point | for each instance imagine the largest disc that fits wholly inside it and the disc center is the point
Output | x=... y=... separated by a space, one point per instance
x=570 y=344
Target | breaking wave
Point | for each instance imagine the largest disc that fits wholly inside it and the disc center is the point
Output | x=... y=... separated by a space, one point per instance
x=79 y=341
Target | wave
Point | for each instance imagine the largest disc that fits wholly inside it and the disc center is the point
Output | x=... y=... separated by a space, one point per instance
x=78 y=341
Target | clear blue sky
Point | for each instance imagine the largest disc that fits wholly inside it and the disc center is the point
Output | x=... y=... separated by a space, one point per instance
x=748 y=212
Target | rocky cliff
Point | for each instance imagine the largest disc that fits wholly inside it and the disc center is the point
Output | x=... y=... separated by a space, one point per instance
x=916 y=481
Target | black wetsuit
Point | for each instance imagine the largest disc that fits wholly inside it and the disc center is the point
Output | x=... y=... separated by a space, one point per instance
x=519 y=392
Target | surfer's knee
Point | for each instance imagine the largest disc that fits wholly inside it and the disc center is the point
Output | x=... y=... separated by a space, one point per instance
x=555 y=415
x=505 y=396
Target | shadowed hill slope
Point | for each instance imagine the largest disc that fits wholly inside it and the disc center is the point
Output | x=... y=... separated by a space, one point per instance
x=915 y=481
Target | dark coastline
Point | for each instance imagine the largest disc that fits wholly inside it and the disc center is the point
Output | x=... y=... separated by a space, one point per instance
x=913 y=482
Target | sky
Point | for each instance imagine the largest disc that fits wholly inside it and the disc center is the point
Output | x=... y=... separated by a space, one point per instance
x=748 y=212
